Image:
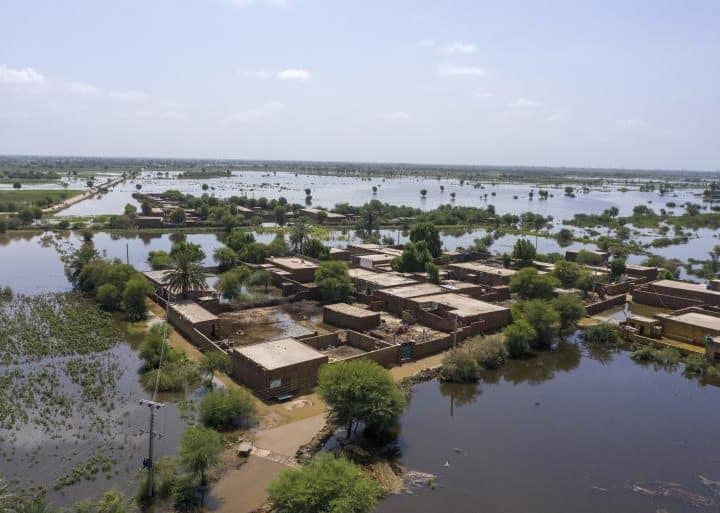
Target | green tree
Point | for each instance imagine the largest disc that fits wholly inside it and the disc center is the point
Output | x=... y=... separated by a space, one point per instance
x=225 y=257
x=617 y=267
x=260 y=278
x=429 y=233
x=432 y=272
x=414 y=258
x=136 y=290
x=567 y=273
x=518 y=338
x=186 y=274
x=524 y=252
x=254 y=253
x=528 y=283
x=602 y=333
x=334 y=282
x=458 y=366
x=280 y=215
x=108 y=296
x=177 y=216
x=227 y=409
x=299 y=234
x=200 y=452
x=585 y=281
x=586 y=257
x=231 y=282
x=570 y=310
x=238 y=238
x=314 y=248
x=541 y=316
x=326 y=484
x=155 y=346
x=215 y=361
x=159 y=260
x=361 y=391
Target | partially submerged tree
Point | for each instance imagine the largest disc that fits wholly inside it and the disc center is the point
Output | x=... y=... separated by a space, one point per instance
x=528 y=283
x=334 y=282
x=361 y=391
x=429 y=233
x=414 y=258
x=570 y=310
x=524 y=252
x=326 y=484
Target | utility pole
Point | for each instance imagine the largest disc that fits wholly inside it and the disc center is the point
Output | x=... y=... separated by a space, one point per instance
x=148 y=462
x=127 y=253
x=455 y=317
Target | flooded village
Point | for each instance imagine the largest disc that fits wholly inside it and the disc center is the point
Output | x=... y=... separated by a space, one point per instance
x=500 y=350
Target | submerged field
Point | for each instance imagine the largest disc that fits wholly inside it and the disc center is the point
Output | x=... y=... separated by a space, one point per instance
x=70 y=424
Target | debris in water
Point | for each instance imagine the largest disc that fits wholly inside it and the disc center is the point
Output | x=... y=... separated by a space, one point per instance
x=599 y=489
x=674 y=490
x=447 y=464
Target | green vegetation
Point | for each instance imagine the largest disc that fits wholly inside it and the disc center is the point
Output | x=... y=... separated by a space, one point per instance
x=519 y=336
x=541 y=316
x=463 y=364
x=570 y=310
x=428 y=233
x=200 y=453
x=186 y=274
x=414 y=258
x=524 y=252
x=176 y=374
x=227 y=409
x=326 y=484
x=15 y=200
x=603 y=334
x=334 y=282
x=528 y=283
x=361 y=391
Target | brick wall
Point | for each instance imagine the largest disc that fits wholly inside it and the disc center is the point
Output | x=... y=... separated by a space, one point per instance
x=606 y=304
x=650 y=298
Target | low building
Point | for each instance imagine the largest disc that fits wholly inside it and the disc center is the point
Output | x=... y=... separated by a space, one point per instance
x=643 y=325
x=692 y=325
x=343 y=315
x=367 y=282
x=396 y=299
x=462 y=309
x=277 y=369
x=339 y=254
x=681 y=289
x=476 y=272
x=149 y=222
x=297 y=269
x=372 y=260
x=323 y=215
x=642 y=271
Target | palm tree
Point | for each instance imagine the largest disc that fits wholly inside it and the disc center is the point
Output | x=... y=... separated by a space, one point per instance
x=299 y=235
x=185 y=275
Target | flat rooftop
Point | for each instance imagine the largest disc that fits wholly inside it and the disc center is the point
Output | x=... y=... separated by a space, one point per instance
x=386 y=280
x=193 y=312
x=351 y=310
x=416 y=290
x=453 y=285
x=293 y=263
x=681 y=285
x=316 y=211
x=483 y=268
x=377 y=257
x=360 y=272
x=463 y=306
x=277 y=354
x=642 y=318
x=698 y=319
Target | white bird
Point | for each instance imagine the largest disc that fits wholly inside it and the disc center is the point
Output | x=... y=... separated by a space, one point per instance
x=447 y=464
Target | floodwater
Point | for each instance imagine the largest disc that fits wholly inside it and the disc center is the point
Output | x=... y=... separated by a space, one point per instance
x=567 y=431
x=119 y=435
x=327 y=191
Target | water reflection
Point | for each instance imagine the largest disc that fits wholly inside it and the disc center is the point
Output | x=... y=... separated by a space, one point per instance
x=538 y=368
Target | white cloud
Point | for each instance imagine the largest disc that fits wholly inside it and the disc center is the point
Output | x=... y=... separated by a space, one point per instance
x=395 y=116
x=482 y=94
x=459 y=48
x=20 y=76
x=524 y=103
x=256 y=113
x=425 y=43
x=294 y=74
x=286 y=74
x=462 y=71
x=83 y=89
x=552 y=118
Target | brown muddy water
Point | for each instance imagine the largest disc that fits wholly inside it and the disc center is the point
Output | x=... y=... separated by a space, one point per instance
x=572 y=431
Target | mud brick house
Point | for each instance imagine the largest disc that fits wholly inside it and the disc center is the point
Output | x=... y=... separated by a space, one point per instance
x=277 y=369
x=294 y=268
x=396 y=299
x=476 y=272
x=352 y=317
x=676 y=294
x=693 y=325
x=465 y=309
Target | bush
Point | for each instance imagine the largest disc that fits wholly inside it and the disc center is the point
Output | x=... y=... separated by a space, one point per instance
x=459 y=366
x=529 y=284
x=226 y=409
x=488 y=352
x=334 y=282
x=518 y=338
x=314 y=248
x=567 y=273
x=667 y=356
x=604 y=334
x=108 y=296
x=698 y=365
x=172 y=377
x=429 y=234
x=524 y=252
x=159 y=260
x=541 y=316
x=137 y=289
x=414 y=258
x=326 y=484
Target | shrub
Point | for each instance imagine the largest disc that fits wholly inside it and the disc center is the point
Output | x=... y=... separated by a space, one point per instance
x=159 y=260
x=429 y=234
x=459 y=366
x=137 y=289
x=172 y=377
x=604 y=333
x=326 y=484
x=529 y=284
x=108 y=296
x=334 y=282
x=698 y=365
x=567 y=273
x=541 y=316
x=414 y=258
x=524 y=252
x=488 y=352
x=226 y=409
x=518 y=338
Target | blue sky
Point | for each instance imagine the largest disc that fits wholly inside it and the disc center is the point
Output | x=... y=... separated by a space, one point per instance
x=614 y=84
